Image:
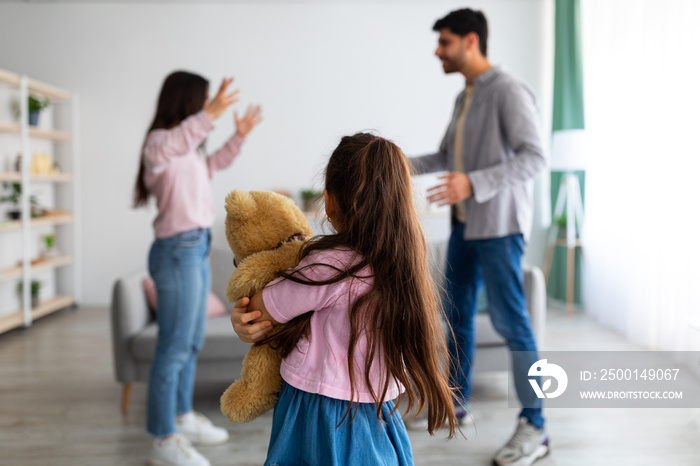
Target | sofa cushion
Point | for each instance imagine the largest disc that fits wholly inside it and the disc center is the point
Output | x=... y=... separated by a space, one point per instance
x=221 y=341
x=215 y=307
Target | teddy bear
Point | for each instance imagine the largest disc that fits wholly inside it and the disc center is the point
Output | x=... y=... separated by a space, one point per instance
x=265 y=231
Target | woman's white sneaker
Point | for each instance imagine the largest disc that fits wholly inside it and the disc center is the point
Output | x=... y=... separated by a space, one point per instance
x=199 y=430
x=176 y=451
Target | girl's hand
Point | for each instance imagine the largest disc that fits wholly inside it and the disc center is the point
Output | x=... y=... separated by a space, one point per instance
x=221 y=101
x=241 y=319
x=249 y=121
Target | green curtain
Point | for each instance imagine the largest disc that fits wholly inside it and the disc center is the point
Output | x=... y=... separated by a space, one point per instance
x=567 y=114
x=568 y=69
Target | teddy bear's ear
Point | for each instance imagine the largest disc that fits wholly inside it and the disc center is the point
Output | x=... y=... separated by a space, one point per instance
x=239 y=204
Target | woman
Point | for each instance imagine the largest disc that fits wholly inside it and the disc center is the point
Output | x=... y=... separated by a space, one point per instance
x=175 y=170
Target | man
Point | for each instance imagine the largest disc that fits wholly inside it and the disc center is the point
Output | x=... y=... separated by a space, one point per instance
x=492 y=150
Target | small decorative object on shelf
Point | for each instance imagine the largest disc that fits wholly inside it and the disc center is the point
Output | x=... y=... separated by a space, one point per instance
x=15 y=197
x=309 y=198
x=35 y=106
x=42 y=164
x=34 y=291
x=49 y=246
x=8 y=164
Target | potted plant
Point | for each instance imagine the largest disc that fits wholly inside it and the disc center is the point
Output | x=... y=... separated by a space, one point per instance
x=561 y=223
x=15 y=197
x=309 y=197
x=34 y=290
x=49 y=245
x=36 y=105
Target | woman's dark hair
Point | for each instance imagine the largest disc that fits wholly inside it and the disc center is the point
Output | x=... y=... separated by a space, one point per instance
x=183 y=94
x=462 y=22
x=370 y=180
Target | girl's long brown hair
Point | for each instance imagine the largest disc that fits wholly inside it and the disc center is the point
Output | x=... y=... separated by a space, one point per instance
x=183 y=94
x=370 y=179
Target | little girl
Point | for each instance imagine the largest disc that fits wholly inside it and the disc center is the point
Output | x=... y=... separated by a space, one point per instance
x=174 y=170
x=374 y=334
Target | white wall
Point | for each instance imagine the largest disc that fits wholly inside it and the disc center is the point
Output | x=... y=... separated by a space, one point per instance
x=319 y=70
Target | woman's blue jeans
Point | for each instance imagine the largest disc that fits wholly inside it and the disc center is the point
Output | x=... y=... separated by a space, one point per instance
x=180 y=269
x=495 y=263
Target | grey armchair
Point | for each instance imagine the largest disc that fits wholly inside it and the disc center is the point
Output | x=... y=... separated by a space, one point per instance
x=134 y=331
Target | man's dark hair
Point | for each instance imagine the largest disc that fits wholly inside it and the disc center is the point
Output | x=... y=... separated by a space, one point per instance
x=462 y=22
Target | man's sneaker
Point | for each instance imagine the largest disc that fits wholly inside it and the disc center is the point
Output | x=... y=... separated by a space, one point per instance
x=176 y=451
x=199 y=430
x=461 y=414
x=527 y=445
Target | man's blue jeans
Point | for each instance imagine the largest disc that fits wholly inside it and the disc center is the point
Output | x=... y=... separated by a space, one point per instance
x=495 y=263
x=180 y=269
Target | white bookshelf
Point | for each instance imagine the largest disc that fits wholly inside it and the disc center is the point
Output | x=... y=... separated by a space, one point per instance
x=21 y=256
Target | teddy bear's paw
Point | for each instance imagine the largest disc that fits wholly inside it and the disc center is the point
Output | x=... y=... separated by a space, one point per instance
x=241 y=404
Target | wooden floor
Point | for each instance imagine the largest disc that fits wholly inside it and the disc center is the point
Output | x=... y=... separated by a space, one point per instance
x=59 y=405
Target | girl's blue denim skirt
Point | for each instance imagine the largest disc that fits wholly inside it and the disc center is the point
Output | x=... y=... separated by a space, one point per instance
x=306 y=431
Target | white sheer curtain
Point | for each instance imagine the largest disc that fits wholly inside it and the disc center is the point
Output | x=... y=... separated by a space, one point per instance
x=642 y=231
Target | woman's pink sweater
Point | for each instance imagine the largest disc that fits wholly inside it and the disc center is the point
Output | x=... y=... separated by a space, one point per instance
x=178 y=175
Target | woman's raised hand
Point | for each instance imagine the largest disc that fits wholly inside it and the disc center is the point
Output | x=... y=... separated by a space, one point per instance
x=221 y=101
x=253 y=116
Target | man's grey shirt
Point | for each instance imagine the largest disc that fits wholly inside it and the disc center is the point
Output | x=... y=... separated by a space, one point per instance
x=502 y=154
